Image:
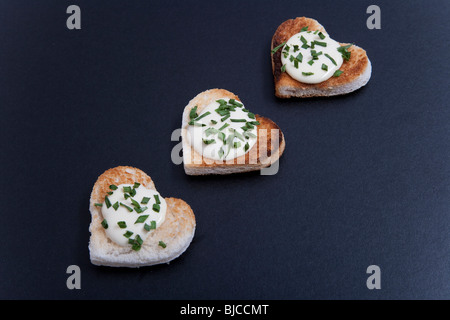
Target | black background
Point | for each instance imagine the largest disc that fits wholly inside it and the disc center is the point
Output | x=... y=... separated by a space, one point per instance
x=364 y=180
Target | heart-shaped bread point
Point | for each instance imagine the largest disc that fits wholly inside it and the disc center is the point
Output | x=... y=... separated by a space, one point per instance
x=132 y=225
x=306 y=62
x=221 y=135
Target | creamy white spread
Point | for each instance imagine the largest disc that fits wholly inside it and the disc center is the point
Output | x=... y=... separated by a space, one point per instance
x=312 y=57
x=223 y=130
x=131 y=212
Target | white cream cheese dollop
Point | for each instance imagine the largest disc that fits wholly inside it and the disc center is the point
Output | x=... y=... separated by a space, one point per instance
x=131 y=212
x=311 y=57
x=223 y=130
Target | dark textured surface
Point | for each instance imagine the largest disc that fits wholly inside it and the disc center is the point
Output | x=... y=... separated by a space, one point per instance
x=365 y=178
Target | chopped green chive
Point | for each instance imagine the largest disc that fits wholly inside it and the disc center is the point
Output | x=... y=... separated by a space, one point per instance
x=98 y=204
x=162 y=244
x=283 y=68
x=193 y=113
x=225 y=118
x=145 y=200
x=128 y=234
x=125 y=206
x=345 y=53
x=310 y=62
x=207 y=113
x=150 y=226
x=246 y=147
x=107 y=202
x=210 y=141
x=307 y=73
x=304 y=29
x=135 y=203
x=122 y=224
x=238 y=120
x=116 y=205
x=157 y=199
x=332 y=60
x=299 y=57
x=105 y=224
x=278 y=47
x=136 y=243
x=221 y=136
x=303 y=40
x=324 y=67
x=248 y=135
x=224 y=126
x=136 y=185
x=213 y=121
x=113 y=187
x=221 y=152
x=141 y=219
x=127 y=189
x=195 y=123
x=156 y=207
x=251 y=115
x=338 y=73
x=141 y=209
x=320 y=43
x=321 y=35
x=237 y=144
x=210 y=131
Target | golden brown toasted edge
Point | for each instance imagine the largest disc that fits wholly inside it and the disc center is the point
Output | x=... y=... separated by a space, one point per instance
x=264 y=153
x=177 y=230
x=357 y=66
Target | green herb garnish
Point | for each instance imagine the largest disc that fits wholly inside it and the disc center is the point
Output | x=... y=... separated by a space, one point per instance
x=193 y=113
x=145 y=200
x=98 y=204
x=210 y=141
x=338 y=73
x=162 y=244
x=105 y=224
x=107 y=202
x=156 y=207
x=324 y=67
x=128 y=234
x=277 y=47
x=344 y=51
x=125 y=206
x=332 y=60
x=122 y=224
x=141 y=219
x=307 y=73
x=113 y=187
x=141 y=209
x=238 y=120
x=116 y=205
x=303 y=29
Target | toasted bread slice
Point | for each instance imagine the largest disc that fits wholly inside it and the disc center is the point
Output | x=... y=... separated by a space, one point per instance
x=177 y=230
x=356 y=71
x=264 y=153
